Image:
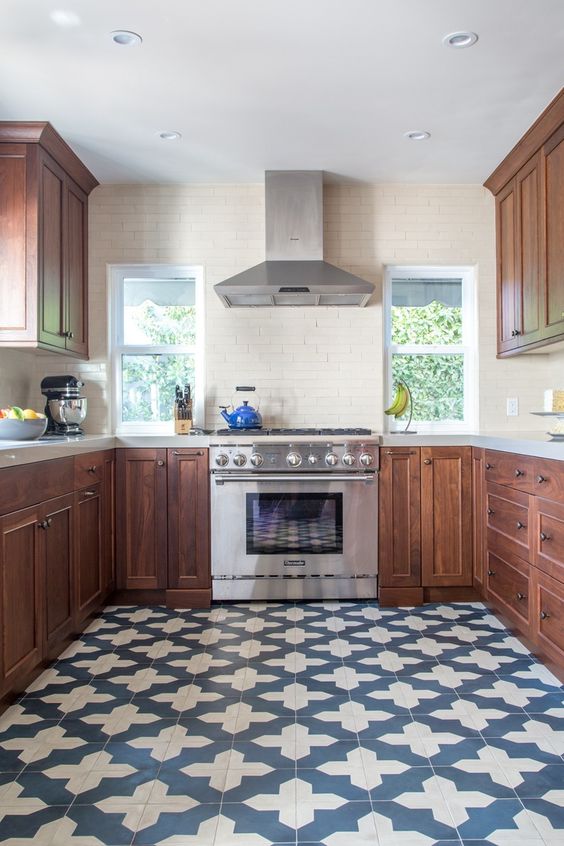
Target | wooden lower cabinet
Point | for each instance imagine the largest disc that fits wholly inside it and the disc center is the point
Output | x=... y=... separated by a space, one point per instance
x=548 y=617
x=188 y=521
x=478 y=507
x=21 y=604
x=89 y=551
x=57 y=522
x=141 y=546
x=507 y=584
x=446 y=516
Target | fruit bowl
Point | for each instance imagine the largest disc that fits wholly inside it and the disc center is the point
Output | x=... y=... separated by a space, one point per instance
x=22 y=430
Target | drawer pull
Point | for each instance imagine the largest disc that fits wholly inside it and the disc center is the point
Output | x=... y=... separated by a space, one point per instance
x=520 y=596
x=490 y=511
x=520 y=525
x=541 y=479
x=489 y=466
x=491 y=572
x=544 y=615
x=89 y=493
x=518 y=473
x=544 y=537
x=92 y=469
x=388 y=452
x=160 y=463
x=45 y=524
x=427 y=461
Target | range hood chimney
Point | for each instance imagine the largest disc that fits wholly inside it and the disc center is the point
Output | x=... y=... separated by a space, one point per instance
x=294 y=273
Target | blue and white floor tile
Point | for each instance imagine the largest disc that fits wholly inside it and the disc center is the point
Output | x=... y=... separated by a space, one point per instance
x=318 y=724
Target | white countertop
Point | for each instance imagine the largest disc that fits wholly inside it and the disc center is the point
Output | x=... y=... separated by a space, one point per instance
x=13 y=453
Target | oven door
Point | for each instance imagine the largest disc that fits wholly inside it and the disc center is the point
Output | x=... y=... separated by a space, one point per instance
x=294 y=537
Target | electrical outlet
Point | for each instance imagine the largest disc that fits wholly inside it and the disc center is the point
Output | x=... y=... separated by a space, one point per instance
x=512 y=406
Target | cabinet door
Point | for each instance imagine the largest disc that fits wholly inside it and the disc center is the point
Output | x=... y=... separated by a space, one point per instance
x=478 y=516
x=527 y=252
x=188 y=520
x=507 y=294
x=548 y=616
x=21 y=599
x=109 y=510
x=547 y=550
x=15 y=308
x=51 y=261
x=446 y=516
x=553 y=240
x=76 y=272
x=399 y=518
x=88 y=551
x=142 y=518
x=57 y=518
x=508 y=587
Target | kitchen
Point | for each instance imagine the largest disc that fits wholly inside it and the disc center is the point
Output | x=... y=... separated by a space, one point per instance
x=304 y=711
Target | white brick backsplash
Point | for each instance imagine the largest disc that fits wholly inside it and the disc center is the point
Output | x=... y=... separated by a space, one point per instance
x=310 y=366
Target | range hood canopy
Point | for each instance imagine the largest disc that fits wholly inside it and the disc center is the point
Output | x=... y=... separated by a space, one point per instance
x=294 y=273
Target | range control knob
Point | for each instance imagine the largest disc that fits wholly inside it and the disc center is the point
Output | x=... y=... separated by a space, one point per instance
x=256 y=459
x=293 y=459
x=349 y=459
x=313 y=459
x=366 y=459
x=221 y=460
x=331 y=459
x=239 y=460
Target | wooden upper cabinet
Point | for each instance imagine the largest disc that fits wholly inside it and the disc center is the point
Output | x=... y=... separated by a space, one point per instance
x=529 y=190
x=553 y=232
x=188 y=520
x=446 y=516
x=141 y=542
x=43 y=262
x=399 y=518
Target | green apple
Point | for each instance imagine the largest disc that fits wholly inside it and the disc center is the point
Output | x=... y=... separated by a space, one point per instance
x=16 y=413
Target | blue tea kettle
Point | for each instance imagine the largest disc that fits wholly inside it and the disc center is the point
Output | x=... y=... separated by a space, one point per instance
x=243 y=417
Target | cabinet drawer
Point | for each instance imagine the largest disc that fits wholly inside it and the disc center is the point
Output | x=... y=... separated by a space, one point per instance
x=549 y=479
x=88 y=469
x=508 y=586
x=548 y=610
x=507 y=513
x=506 y=468
x=548 y=537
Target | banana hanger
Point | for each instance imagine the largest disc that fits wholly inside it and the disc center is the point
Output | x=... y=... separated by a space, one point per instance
x=402 y=400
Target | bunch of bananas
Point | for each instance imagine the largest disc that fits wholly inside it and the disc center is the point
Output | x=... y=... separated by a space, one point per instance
x=400 y=401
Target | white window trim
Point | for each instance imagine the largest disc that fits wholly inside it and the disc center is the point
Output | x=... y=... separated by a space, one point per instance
x=469 y=346
x=116 y=273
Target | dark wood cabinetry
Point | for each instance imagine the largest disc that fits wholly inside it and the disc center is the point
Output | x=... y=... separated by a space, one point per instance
x=43 y=272
x=188 y=521
x=425 y=523
x=57 y=523
x=142 y=517
x=529 y=194
x=478 y=506
x=89 y=551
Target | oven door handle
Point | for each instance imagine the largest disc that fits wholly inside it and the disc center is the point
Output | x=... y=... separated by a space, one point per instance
x=303 y=477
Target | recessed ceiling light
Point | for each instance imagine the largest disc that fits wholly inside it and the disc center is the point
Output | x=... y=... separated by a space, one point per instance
x=125 y=38
x=170 y=135
x=65 y=18
x=459 y=40
x=417 y=134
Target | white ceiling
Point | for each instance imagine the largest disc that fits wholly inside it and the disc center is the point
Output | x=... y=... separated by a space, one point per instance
x=259 y=84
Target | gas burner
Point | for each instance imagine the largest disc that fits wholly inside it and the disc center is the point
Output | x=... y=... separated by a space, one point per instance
x=294 y=432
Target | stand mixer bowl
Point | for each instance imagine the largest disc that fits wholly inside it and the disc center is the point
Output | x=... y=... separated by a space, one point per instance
x=68 y=412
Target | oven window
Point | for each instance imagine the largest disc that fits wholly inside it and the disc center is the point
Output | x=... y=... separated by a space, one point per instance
x=280 y=523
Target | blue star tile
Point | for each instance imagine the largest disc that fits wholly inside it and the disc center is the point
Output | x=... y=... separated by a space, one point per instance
x=21 y=826
x=500 y=815
x=106 y=826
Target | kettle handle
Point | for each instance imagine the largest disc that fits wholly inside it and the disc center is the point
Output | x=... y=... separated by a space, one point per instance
x=244 y=388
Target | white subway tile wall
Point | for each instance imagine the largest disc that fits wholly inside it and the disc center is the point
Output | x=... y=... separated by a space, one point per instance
x=310 y=366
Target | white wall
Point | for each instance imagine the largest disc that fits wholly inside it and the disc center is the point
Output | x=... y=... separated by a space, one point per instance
x=17 y=372
x=310 y=366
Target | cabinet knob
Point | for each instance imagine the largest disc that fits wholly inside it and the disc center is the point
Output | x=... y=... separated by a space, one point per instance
x=516 y=332
x=520 y=596
x=520 y=525
x=92 y=469
x=491 y=572
x=544 y=537
x=540 y=480
x=160 y=462
x=518 y=473
x=427 y=461
x=544 y=615
x=490 y=511
x=489 y=466
x=89 y=493
x=42 y=524
x=69 y=335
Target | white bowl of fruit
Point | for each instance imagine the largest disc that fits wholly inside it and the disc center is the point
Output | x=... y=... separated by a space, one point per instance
x=21 y=425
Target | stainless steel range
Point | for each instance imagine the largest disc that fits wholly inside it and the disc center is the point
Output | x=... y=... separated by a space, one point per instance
x=294 y=519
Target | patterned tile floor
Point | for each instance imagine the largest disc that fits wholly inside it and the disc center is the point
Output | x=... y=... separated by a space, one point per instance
x=325 y=723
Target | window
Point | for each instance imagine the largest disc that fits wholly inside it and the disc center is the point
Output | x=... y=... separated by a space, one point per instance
x=157 y=319
x=430 y=343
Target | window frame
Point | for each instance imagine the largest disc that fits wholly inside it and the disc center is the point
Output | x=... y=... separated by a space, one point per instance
x=116 y=275
x=468 y=348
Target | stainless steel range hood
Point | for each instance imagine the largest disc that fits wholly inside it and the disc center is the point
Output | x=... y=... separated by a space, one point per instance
x=294 y=273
